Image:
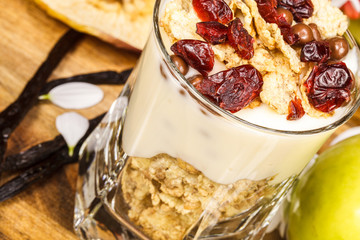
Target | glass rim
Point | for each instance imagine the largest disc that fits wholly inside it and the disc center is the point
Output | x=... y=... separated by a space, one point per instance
x=233 y=118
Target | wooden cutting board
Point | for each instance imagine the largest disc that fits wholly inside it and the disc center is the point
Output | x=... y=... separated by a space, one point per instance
x=45 y=210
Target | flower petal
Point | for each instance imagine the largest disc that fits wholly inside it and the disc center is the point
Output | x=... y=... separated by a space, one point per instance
x=76 y=95
x=72 y=127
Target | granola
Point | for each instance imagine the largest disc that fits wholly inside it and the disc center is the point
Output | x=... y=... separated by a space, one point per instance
x=167 y=196
x=278 y=62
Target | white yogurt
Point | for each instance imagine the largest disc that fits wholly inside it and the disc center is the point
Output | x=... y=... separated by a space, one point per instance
x=160 y=119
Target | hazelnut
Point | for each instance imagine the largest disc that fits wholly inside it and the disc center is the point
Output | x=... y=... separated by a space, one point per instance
x=180 y=64
x=286 y=14
x=304 y=32
x=315 y=31
x=338 y=47
x=195 y=80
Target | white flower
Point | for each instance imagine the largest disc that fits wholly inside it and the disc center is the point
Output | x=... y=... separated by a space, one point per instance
x=75 y=95
x=72 y=127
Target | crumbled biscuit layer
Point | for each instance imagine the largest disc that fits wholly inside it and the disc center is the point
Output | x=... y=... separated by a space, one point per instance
x=280 y=85
x=166 y=196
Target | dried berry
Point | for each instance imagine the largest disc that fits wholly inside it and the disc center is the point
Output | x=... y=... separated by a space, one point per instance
x=232 y=89
x=213 y=10
x=329 y=86
x=267 y=10
x=240 y=39
x=198 y=54
x=315 y=51
x=213 y=32
x=296 y=111
x=286 y=31
x=299 y=8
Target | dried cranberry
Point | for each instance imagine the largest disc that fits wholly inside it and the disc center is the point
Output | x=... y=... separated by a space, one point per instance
x=232 y=89
x=299 y=8
x=198 y=54
x=329 y=86
x=240 y=39
x=267 y=10
x=212 y=32
x=286 y=30
x=315 y=51
x=296 y=111
x=213 y=10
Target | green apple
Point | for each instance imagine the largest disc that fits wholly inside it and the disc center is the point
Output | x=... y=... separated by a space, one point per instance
x=325 y=203
x=355 y=29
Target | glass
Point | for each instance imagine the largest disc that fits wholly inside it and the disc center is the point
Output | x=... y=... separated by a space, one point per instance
x=166 y=163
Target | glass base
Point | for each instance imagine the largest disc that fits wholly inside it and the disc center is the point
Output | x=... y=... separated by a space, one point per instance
x=100 y=211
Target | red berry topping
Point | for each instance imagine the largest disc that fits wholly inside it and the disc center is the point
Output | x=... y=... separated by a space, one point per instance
x=240 y=39
x=213 y=32
x=267 y=10
x=232 y=89
x=286 y=31
x=299 y=8
x=296 y=111
x=315 y=51
x=213 y=10
x=329 y=86
x=198 y=54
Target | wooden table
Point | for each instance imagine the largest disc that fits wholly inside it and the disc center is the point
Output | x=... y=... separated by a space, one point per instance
x=45 y=210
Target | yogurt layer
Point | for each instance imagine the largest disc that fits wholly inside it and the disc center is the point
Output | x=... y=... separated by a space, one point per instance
x=162 y=117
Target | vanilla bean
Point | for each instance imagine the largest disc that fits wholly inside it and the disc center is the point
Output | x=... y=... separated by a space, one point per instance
x=39 y=152
x=46 y=168
x=32 y=155
x=16 y=111
x=33 y=174
x=106 y=77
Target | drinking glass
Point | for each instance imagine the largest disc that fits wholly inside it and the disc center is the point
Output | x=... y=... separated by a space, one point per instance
x=167 y=163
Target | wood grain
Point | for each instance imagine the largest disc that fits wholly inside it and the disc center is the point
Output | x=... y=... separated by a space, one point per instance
x=45 y=210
